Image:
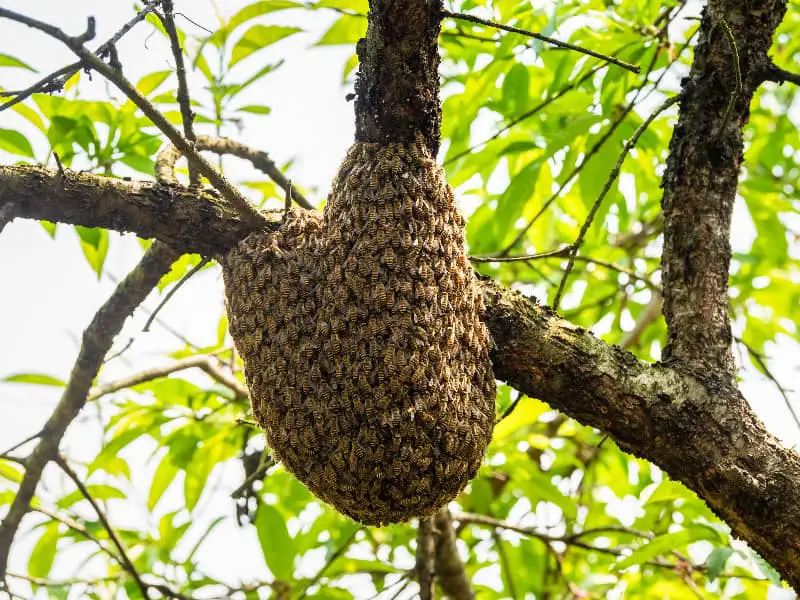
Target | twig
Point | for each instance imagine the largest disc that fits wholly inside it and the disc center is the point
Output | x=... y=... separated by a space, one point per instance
x=64 y=582
x=761 y=361
x=167 y=157
x=609 y=182
x=81 y=530
x=599 y=144
x=97 y=340
x=247 y=211
x=425 y=558
x=205 y=260
x=18 y=445
x=112 y=534
x=56 y=80
x=338 y=553
x=647 y=317
x=558 y=253
x=527 y=114
x=168 y=20
x=202 y=362
x=780 y=76
x=542 y=38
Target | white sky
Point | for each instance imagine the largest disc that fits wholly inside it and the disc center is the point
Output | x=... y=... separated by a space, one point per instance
x=48 y=293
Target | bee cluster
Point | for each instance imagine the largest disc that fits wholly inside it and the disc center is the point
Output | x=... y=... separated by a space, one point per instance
x=360 y=332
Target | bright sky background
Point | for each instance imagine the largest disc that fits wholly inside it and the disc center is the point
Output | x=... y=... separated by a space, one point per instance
x=48 y=293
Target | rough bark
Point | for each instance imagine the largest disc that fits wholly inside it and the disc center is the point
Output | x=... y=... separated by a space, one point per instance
x=397 y=90
x=701 y=178
x=449 y=567
x=149 y=209
x=701 y=432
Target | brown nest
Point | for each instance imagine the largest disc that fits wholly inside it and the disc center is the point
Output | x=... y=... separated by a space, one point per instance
x=360 y=331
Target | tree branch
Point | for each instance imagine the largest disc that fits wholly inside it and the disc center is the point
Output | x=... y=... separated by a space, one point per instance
x=449 y=567
x=701 y=179
x=97 y=340
x=426 y=544
x=126 y=562
x=260 y=160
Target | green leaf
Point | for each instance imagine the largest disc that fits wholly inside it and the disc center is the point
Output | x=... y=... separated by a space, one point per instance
x=716 y=561
x=276 y=544
x=7 y=60
x=100 y=492
x=256 y=109
x=163 y=477
x=258 y=37
x=150 y=82
x=10 y=471
x=669 y=541
x=766 y=569
x=44 y=552
x=94 y=243
x=256 y=9
x=15 y=143
x=35 y=379
x=347 y=29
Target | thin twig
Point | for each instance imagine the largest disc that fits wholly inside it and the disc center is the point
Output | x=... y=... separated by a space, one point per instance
x=168 y=156
x=18 y=445
x=112 y=534
x=558 y=253
x=168 y=20
x=56 y=80
x=527 y=114
x=203 y=362
x=599 y=144
x=542 y=38
x=338 y=553
x=761 y=361
x=609 y=182
x=171 y=292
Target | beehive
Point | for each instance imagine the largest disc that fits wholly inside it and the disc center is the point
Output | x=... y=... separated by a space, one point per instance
x=360 y=332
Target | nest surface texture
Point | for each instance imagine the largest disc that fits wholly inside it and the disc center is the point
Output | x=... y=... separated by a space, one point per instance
x=360 y=331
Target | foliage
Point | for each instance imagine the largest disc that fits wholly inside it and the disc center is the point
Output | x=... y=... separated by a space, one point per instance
x=530 y=135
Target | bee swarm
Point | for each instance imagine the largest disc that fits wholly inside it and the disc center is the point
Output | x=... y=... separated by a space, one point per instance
x=360 y=332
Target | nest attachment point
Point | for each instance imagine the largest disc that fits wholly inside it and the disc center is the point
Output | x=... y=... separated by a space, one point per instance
x=360 y=332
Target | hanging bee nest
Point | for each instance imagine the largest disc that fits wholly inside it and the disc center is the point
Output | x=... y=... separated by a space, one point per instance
x=360 y=331
x=367 y=362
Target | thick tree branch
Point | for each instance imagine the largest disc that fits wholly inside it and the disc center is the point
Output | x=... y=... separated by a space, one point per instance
x=397 y=90
x=151 y=210
x=97 y=340
x=700 y=431
x=702 y=175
